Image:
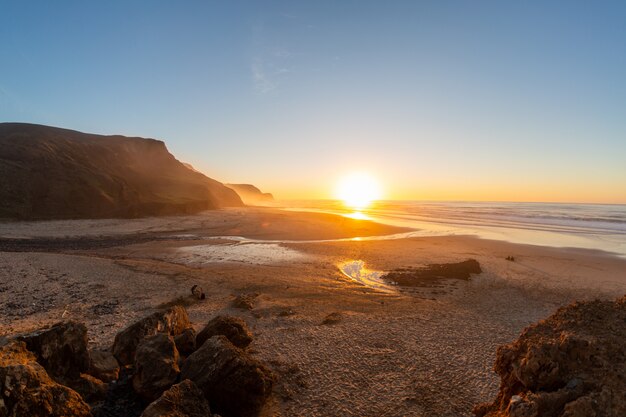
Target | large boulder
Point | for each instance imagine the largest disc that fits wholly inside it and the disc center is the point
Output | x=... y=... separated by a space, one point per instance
x=171 y=321
x=103 y=365
x=234 y=383
x=60 y=349
x=573 y=364
x=234 y=328
x=156 y=366
x=181 y=400
x=26 y=389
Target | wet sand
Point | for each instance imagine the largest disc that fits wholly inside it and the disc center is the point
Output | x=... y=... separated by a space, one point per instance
x=387 y=352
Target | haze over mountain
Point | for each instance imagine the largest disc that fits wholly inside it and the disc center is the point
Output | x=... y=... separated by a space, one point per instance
x=52 y=173
x=251 y=194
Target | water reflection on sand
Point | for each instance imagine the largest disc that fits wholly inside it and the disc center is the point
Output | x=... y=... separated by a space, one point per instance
x=252 y=253
x=356 y=270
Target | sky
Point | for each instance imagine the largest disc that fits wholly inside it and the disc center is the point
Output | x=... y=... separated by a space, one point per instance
x=438 y=100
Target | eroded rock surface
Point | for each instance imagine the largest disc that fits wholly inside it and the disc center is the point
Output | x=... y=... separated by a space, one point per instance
x=172 y=321
x=181 y=400
x=156 y=366
x=573 y=364
x=234 y=383
x=26 y=389
x=103 y=365
x=235 y=329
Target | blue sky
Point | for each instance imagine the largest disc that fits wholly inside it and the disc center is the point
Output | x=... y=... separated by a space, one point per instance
x=471 y=100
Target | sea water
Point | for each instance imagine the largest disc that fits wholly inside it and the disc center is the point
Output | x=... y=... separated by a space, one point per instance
x=585 y=226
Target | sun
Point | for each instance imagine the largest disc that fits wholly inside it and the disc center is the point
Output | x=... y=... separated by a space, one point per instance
x=357 y=190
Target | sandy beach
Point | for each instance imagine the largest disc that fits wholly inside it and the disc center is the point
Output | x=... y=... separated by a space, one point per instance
x=393 y=352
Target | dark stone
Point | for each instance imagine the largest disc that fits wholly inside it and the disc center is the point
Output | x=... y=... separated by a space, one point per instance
x=60 y=349
x=103 y=365
x=181 y=400
x=156 y=366
x=426 y=276
x=172 y=321
x=234 y=328
x=245 y=301
x=234 y=383
x=26 y=389
x=186 y=342
x=332 y=318
x=90 y=389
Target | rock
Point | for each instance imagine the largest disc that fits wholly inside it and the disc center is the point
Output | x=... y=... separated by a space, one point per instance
x=60 y=349
x=245 y=301
x=103 y=365
x=198 y=292
x=156 y=366
x=121 y=399
x=234 y=383
x=332 y=318
x=27 y=390
x=90 y=389
x=186 y=342
x=430 y=274
x=234 y=328
x=181 y=400
x=172 y=321
x=570 y=365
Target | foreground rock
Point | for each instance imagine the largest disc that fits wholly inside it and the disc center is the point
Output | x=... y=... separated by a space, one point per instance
x=234 y=383
x=182 y=400
x=103 y=365
x=156 y=366
x=50 y=173
x=60 y=349
x=172 y=321
x=572 y=364
x=234 y=328
x=27 y=390
x=186 y=342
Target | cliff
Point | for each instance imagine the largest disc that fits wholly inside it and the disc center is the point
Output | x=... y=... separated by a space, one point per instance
x=251 y=194
x=52 y=173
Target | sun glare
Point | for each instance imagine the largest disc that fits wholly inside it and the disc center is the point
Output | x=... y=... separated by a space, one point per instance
x=358 y=190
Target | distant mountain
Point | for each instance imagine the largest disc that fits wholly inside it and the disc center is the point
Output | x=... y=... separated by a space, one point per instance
x=52 y=173
x=250 y=194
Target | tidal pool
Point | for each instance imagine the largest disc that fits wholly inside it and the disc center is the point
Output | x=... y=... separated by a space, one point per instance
x=252 y=253
x=356 y=270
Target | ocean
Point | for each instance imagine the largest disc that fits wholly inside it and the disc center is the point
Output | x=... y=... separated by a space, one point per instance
x=586 y=226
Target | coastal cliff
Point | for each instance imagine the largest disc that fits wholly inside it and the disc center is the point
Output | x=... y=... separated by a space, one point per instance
x=53 y=173
x=251 y=194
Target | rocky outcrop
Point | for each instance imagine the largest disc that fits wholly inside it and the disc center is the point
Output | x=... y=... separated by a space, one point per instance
x=572 y=364
x=172 y=321
x=51 y=173
x=182 y=400
x=251 y=195
x=235 y=329
x=26 y=389
x=60 y=349
x=186 y=342
x=156 y=366
x=103 y=365
x=429 y=274
x=234 y=383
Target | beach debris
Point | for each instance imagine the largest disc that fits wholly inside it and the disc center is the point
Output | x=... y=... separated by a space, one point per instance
x=173 y=321
x=182 y=400
x=197 y=292
x=61 y=349
x=234 y=383
x=429 y=274
x=245 y=301
x=571 y=364
x=103 y=365
x=233 y=328
x=26 y=389
x=186 y=342
x=156 y=366
x=510 y=258
x=332 y=318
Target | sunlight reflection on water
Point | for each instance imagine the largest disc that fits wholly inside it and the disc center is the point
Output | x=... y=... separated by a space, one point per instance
x=356 y=271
